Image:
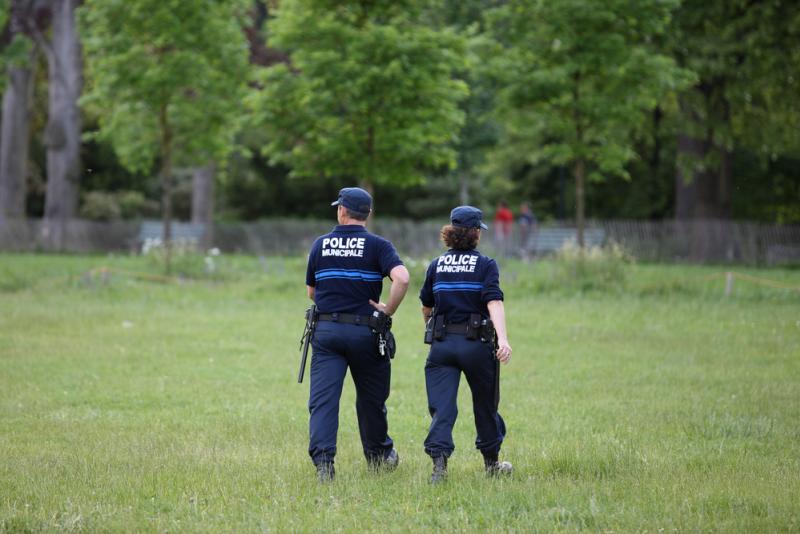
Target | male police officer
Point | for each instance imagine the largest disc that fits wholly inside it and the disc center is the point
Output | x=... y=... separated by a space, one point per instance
x=345 y=277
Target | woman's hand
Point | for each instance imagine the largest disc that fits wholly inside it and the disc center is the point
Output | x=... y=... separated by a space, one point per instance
x=503 y=351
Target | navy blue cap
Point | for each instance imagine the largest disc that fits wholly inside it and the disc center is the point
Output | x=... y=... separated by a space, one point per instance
x=354 y=199
x=467 y=217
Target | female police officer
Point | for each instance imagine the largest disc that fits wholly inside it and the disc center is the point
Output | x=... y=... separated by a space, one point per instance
x=462 y=305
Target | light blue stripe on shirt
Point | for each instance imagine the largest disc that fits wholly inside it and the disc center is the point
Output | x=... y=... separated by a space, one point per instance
x=348 y=274
x=457 y=286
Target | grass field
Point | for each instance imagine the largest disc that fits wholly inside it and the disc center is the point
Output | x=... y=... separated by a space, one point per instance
x=654 y=405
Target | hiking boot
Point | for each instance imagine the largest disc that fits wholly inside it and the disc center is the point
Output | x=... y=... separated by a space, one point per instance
x=388 y=462
x=325 y=472
x=391 y=461
x=496 y=468
x=439 y=470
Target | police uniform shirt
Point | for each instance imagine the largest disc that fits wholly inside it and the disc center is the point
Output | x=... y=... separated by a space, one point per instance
x=461 y=282
x=346 y=269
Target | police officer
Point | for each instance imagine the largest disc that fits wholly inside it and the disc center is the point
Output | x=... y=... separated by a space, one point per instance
x=345 y=278
x=462 y=305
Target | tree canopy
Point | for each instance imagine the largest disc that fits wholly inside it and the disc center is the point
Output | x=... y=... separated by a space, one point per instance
x=608 y=108
x=179 y=64
x=369 y=92
x=578 y=79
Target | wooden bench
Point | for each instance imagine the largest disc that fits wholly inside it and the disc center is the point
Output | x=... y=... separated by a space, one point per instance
x=189 y=233
x=547 y=240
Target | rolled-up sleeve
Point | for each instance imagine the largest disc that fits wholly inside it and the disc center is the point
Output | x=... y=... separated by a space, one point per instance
x=388 y=258
x=491 y=283
x=311 y=268
x=426 y=293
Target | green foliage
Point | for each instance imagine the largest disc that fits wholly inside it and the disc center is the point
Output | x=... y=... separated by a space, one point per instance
x=100 y=206
x=579 y=78
x=369 y=94
x=590 y=268
x=15 y=53
x=187 y=57
x=748 y=68
x=18 y=52
x=108 y=206
x=133 y=204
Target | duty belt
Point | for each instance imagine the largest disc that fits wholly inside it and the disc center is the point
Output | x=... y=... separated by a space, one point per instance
x=346 y=318
x=460 y=328
x=475 y=328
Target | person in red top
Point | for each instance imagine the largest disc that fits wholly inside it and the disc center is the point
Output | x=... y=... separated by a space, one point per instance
x=503 y=222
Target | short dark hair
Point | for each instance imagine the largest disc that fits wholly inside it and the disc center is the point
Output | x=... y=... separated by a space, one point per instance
x=459 y=238
x=357 y=215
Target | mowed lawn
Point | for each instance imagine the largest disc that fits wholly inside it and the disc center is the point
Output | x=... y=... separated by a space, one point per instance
x=127 y=404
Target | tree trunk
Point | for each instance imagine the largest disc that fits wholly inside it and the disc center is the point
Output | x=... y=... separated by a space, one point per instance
x=166 y=184
x=367 y=185
x=703 y=193
x=203 y=201
x=693 y=150
x=580 y=196
x=724 y=178
x=463 y=188
x=14 y=140
x=63 y=133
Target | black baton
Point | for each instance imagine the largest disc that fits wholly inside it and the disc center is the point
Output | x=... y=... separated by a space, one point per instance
x=496 y=375
x=305 y=339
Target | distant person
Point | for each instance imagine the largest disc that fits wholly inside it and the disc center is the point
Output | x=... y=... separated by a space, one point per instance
x=346 y=268
x=503 y=222
x=462 y=306
x=528 y=225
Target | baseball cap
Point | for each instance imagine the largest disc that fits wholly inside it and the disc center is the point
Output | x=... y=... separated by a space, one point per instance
x=355 y=199
x=467 y=217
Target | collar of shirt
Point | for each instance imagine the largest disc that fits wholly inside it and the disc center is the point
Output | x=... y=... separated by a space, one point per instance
x=349 y=228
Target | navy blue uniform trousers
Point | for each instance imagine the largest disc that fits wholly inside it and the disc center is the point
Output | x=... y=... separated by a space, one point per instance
x=337 y=347
x=446 y=361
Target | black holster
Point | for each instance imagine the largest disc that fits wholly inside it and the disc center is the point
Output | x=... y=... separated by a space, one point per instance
x=381 y=325
x=487 y=332
x=429 y=330
x=435 y=329
x=438 y=328
x=474 y=326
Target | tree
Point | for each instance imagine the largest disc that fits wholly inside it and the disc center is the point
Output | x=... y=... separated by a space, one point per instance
x=579 y=78
x=166 y=81
x=63 y=131
x=370 y=93
x=479 y=132
x=18 y=58
x=747 y=94
x=203 y=199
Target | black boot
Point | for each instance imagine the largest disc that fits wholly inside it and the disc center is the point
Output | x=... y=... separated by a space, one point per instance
x=387 y=463
x=495 y=468
x=439 y=469
x=325 y=472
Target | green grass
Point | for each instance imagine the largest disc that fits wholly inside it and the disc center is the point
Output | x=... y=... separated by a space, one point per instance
x=655 y=405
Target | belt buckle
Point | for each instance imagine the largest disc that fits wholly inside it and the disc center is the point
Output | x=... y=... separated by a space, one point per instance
x=335 y=317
